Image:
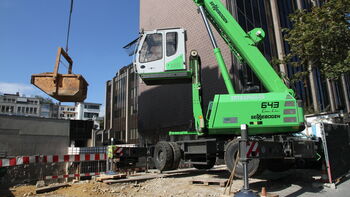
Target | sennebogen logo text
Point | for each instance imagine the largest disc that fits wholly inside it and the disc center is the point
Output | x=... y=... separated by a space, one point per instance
x=215 y=7
x=260 y=117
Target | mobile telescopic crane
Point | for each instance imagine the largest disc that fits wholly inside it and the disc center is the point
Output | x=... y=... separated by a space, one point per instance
x=272 y=117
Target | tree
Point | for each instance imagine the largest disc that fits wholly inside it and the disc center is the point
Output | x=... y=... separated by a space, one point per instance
x=321 y=38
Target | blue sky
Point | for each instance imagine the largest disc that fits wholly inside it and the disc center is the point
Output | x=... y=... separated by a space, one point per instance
x=32 y=30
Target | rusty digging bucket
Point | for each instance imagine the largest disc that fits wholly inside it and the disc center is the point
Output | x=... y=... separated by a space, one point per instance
x=63 y=87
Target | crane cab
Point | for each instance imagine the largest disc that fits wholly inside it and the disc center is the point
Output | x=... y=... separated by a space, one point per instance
x=161 y=57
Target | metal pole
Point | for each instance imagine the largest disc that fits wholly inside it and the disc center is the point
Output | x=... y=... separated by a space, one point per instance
x=299 y=4
x=331 y=94
x=278 y=36
x=243 y=154
x=245 y=191
x=127 y=107
x=345 y=92
x=313 y=87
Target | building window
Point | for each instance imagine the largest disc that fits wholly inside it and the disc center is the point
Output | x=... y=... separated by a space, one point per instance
x=90 y=115
x=92 y=107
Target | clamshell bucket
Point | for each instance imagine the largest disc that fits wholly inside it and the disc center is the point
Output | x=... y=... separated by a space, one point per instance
x=63 y=87
x=160 y=57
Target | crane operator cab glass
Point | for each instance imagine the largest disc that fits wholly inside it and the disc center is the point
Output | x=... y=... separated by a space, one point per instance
x=160 y=57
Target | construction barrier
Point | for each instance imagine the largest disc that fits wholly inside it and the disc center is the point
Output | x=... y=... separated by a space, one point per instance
x=20 y=160
x=130 y=170
x=73 y=175
x=86 y=150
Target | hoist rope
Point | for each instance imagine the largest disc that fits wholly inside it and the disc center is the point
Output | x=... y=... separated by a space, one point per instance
x=69 y=21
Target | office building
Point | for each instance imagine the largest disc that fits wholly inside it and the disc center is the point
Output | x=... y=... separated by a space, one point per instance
x=122 y=107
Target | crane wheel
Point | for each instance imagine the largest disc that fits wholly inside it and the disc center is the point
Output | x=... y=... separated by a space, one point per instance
x=231 y=153
x=163 y=156
x=177 y=155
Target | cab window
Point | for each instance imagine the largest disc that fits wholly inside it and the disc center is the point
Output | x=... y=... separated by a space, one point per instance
x=152 y=48
x=171 y=43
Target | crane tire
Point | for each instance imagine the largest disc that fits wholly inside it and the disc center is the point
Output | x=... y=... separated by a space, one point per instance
x=163 y=156
x=230 y=157
x=177 y=155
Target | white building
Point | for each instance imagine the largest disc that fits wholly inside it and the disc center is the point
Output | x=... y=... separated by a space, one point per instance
x=80 y=111
x=87 y=111
x=14 y=104
x=67 y=112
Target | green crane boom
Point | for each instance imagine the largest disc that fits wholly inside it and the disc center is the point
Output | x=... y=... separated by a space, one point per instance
x=242 y=44
x=266 y=113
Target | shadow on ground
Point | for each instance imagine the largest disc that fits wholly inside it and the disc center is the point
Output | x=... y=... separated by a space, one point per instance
x=298 y=181
x=5 y=191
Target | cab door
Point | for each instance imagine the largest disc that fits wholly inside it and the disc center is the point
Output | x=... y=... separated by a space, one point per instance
x=150 y=55
x=174 y=53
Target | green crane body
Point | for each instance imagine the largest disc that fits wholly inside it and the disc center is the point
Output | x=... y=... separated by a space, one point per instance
x=274 y=112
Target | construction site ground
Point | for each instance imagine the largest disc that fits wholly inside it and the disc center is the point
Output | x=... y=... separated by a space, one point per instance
x=178 y=183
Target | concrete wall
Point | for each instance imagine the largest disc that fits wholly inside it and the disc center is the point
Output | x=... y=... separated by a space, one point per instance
x=169 y=107
x=32 y=136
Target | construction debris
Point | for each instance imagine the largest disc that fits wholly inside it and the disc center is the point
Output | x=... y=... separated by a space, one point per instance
x=40 y=184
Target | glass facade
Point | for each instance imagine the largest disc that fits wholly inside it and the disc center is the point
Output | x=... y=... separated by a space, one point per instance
x=121 y=110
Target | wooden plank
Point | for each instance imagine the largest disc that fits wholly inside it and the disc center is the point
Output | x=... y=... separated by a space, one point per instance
x=220 y=182
x=138 y=178
x=50 y=188
x=108 y=177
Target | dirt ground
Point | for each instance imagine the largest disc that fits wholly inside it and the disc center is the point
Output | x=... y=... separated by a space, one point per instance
x=291 y=183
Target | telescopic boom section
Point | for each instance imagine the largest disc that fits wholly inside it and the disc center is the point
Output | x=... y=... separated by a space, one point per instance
x=242 y=44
